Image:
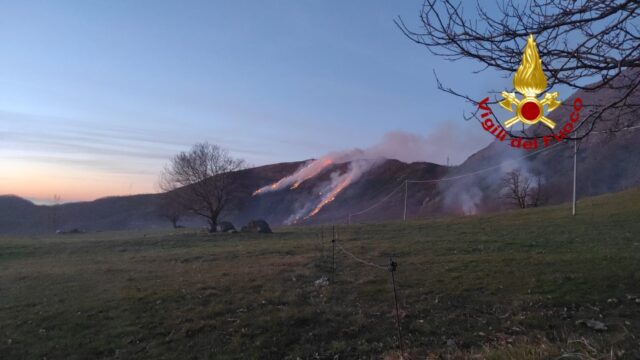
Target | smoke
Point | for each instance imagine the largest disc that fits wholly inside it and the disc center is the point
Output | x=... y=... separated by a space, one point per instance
x=483 y=191
x=470 y=200
x=310 y=170
x=340 y=182
x=328 y=190
x=447 y=144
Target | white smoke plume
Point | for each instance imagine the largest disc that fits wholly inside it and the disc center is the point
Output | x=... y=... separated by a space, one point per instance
x=448 y=143
x=471 y=195
x=309 y=170
x=329 y=190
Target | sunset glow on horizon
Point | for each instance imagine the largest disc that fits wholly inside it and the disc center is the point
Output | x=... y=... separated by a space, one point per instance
x=40 y=184
x=96 y=97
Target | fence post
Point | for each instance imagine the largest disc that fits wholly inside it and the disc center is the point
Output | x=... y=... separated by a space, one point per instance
x=393 y=266
x=322 y=241
x=406 y=189
x=333 y=255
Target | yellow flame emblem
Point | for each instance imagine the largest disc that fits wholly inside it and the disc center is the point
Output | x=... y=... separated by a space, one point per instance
x=530 y=81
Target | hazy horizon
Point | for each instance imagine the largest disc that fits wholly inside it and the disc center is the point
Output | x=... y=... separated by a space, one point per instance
x=96 y=97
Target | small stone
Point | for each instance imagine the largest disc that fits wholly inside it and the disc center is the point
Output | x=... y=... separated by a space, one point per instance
x=593 y=324
x=323 y=281
x=9 y=341
x=612 y=301
x=451 y=343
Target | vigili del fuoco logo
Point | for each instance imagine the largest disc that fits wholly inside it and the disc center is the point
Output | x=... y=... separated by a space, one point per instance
x=529 y=81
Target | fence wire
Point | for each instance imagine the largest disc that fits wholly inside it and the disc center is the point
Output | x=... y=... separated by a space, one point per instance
x=361 y=260
x=379 y=202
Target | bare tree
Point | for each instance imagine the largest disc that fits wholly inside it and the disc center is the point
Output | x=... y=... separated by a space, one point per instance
x=581 y=41
x=521 y=190
x=537 y=195
x=171 y=209
x=516 y=188
x=201 y=180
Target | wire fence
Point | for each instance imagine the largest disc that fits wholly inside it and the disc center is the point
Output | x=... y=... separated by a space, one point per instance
x=368 y=263
x=469 y=174
x=392 y=268
x=393 y=265
x=476 y=172
x=379 y=202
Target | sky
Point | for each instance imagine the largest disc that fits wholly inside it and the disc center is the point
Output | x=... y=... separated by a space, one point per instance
x=97 y=96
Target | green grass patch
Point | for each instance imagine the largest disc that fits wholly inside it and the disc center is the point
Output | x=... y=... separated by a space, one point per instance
x=503 y=286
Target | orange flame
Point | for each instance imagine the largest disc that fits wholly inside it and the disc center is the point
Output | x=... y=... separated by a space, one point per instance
x=306 y=172
x=325 y=163
x=271 y=187
x=331 y=195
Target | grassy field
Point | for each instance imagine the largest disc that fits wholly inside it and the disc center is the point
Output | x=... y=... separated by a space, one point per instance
x=506 y=286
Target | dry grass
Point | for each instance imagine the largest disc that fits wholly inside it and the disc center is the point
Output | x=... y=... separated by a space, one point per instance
x=508 y=286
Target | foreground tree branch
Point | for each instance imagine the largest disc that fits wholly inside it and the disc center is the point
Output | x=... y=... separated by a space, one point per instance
x=585 y=44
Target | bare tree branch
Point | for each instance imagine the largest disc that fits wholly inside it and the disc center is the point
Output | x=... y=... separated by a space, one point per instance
x=586 y=45
x=201 y=181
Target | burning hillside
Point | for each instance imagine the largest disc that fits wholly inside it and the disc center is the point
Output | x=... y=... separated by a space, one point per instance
x=324 y=192
x=294 y=180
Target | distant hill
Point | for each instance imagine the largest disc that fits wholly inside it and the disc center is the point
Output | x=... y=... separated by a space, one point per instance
x=114 y=213
x=606 y=163
x=141 y=211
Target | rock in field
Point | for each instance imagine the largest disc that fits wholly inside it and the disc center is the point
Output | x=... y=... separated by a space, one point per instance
x=225 y=226
x=257 y=226
x=593 y=324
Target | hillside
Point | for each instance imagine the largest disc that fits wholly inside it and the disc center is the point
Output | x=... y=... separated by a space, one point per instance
x=141 y=211
x=521 y=285
x=19 y=216
x=606 y=163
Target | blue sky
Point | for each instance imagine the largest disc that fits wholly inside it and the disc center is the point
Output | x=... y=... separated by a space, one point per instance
x=96 y=96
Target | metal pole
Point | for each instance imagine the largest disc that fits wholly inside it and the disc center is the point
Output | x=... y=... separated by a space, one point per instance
x=322 y=241
x=575 y=175
x=392 y=268
x=404 y=215
x=333 y=255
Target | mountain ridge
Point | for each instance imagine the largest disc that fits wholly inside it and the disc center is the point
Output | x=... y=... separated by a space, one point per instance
x=604 y=166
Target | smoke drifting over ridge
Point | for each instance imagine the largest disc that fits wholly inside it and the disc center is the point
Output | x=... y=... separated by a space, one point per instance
x=328 y=190
x=359 y=163
x=447 y=143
